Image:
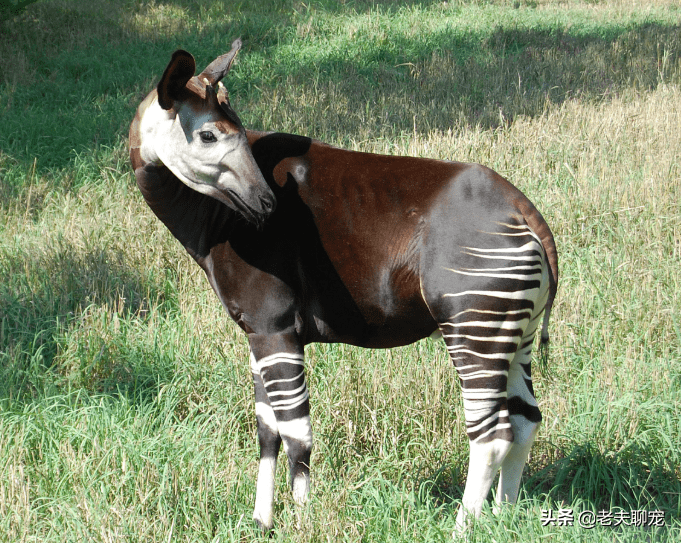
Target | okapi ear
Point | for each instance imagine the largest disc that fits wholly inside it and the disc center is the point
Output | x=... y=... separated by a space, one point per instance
x=180 y=70
x=218 y=69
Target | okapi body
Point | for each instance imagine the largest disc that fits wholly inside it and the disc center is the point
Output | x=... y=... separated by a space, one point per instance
x=303 y=242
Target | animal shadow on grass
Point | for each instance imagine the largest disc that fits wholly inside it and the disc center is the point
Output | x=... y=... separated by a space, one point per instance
x=66 y=320
x=637 y=478
x=442 y=79
x=384 y=87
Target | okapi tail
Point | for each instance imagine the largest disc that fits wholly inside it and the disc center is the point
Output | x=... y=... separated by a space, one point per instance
x=536 y=222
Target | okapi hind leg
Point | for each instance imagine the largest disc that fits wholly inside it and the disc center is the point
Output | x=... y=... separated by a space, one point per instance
x=525 y=421
x=524 y=415
x=483 y=370
x=487 y=298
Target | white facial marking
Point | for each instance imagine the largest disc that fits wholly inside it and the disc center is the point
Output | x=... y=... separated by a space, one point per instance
x=154 y=121
x=223 y=169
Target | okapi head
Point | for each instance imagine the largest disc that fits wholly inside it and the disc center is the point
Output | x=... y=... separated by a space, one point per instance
x=192 y=129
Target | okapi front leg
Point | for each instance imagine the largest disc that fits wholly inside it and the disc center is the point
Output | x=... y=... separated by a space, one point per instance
x=284 y=405
x=270 y=443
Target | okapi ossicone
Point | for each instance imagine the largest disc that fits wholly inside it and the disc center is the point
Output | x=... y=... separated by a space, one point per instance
x=303 y=242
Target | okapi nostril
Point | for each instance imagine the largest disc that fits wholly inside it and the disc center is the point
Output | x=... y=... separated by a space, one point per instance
x=268 y=204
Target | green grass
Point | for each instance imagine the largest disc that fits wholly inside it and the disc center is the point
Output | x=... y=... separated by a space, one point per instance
x=125 y=395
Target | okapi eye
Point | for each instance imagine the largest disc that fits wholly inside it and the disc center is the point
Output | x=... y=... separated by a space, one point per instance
x=207 y=137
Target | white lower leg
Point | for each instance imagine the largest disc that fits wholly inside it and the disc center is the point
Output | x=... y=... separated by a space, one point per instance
x=264 y=495
x=524 y=429
x=485 y=460
x=301 y=488
x=269 y=444
x=297 y=439
x=514 y=463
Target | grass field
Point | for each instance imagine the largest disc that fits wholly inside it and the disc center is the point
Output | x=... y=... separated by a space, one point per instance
x=125 y=395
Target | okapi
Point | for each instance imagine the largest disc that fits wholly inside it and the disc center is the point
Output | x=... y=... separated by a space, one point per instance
x=369 y=250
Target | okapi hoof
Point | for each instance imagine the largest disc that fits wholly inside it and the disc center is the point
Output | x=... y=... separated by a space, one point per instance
x=266 y=530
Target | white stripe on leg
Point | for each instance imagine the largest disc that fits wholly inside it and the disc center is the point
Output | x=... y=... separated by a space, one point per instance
x=265 y=415
x=299 y=430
